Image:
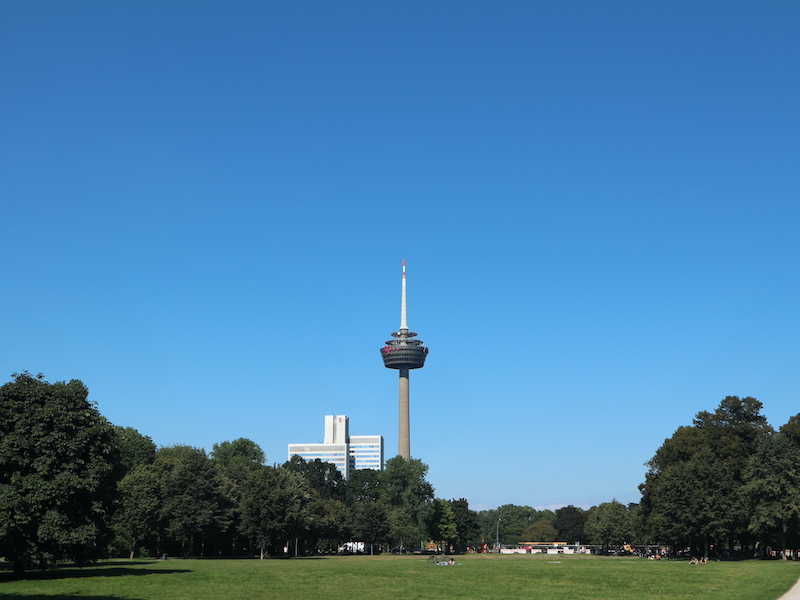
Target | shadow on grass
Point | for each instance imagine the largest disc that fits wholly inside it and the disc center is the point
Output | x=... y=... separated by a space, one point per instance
x=44 y=597
x=78 y=573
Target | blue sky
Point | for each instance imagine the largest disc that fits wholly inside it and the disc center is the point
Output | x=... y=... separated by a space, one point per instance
x=206 y=206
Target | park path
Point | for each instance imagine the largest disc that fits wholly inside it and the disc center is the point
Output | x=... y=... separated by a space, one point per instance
x=792 y=594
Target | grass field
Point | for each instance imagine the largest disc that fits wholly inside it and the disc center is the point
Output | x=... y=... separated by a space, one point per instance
x=411 y=577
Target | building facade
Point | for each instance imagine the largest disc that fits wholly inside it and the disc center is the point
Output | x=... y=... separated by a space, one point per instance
x=347 y=452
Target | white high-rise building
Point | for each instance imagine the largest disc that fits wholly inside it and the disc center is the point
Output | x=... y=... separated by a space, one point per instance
x=347 y=452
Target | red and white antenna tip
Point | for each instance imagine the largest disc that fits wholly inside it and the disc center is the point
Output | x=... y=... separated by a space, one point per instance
x=404 y=267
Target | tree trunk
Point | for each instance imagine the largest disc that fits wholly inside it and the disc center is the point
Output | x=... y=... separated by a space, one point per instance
x=19 y=569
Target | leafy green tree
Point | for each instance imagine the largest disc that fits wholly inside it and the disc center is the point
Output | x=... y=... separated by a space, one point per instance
x=192 y=507
x=59 y=466
x=772 y=491
x=135 y=449
x=734 y=429
x=466 y=524
x=510 y=522
x=540 y=531
x=409 y=499
x=691 y=494
x=443 y=524
x=569 y=524
x=237 y=459
x=235 y=462
x=331 y=518
x=364 y=484
x=330 y=522
x=694 y=499
x=295 y=517
x=277 y=509
x=260 y=508
x=139 y=503
x=322 y=476
x=609 y=524
x=791 y=429
x=370 y=521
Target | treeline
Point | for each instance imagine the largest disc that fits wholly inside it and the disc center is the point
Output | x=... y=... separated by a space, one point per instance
x=74 y=486
x=184 y=502
x=726 y=486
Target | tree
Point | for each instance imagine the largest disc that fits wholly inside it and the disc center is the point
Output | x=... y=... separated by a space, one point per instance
x=370 y=521
x=772 y=490
x=296 y=518
x=139 y=503
x=569 y=523
x=698 y=501
x=608 y=524
x=240 y=454
x=277 y=508
x=330 y=522
x=260 y=506
x=322 y=476
x=192 y=505
x=510 y=521
x=59 y=465
x=443 y=524
x=466 y=524
x=691 y=494
x=135 y=449
x=540 y=531
x=235 y=462
x=364 y=484
x=409 y=499
x=791 y=429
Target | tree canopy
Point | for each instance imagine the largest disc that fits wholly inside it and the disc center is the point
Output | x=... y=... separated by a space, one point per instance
x=570 y=522
x=726 y=480
x=59 y=466
x=70 y=480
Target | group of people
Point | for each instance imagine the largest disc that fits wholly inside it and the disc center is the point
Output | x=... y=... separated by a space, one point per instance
x=695 y=561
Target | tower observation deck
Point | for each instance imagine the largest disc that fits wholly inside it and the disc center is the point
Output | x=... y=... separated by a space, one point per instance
x=403 y=353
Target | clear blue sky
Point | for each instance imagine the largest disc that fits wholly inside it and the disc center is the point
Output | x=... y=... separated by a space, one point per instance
x=205 y=207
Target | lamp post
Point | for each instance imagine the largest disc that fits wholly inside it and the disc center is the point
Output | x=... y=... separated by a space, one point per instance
x=497 y=536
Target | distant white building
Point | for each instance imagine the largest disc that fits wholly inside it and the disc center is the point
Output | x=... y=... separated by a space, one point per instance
x=347 y=452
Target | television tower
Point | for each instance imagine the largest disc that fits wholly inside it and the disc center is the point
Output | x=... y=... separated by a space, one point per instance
x=403 y=352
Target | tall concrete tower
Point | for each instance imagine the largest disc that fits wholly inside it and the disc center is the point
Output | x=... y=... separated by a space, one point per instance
x=403 y=352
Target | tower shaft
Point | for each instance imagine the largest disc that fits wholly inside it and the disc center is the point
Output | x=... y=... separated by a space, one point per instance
x=404 y=418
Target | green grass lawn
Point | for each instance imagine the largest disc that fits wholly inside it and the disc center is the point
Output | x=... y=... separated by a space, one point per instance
x=411 y=577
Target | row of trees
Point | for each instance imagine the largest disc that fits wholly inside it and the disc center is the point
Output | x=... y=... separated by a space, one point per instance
x=72 y=485
x=728 y=485
x=231 y=504
x=729 y=482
